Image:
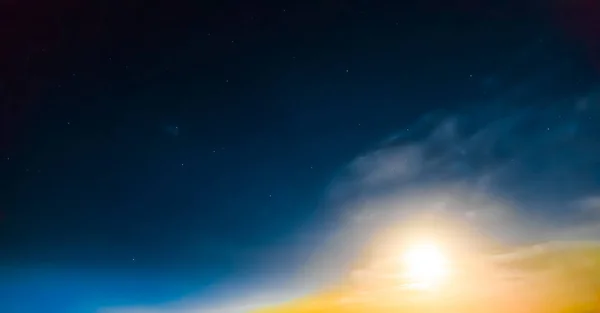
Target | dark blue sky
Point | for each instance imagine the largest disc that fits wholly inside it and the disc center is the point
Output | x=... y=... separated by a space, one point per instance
x=151 y=150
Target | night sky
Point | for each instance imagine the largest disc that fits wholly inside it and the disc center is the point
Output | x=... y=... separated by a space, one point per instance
x=152 y=151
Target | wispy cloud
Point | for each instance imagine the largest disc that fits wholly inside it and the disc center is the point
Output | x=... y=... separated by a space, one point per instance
x=518 y=175
x=246 y=301
x=538 y=159
x=511 y=173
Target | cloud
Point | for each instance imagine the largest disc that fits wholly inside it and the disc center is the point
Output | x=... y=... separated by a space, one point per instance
x=539 y=159
x=404 y=165
x=511 y=174
x=516 y=175
x=244 y=302
x=590 y=204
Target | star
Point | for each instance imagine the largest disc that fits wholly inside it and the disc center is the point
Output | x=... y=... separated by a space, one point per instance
x=172 y=130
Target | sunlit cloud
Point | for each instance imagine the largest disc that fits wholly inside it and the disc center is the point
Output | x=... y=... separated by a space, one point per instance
x=513 y=178
x=507 y=179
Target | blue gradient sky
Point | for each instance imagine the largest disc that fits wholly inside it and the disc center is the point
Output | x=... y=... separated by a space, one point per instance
x=184 y=157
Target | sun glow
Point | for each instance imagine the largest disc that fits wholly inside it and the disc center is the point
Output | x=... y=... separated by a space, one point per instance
x=424 y=266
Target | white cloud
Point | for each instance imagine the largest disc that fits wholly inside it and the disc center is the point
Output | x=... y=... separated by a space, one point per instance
x=590 y=205
x=389 y=165
x=246 y=301
x=511 y=174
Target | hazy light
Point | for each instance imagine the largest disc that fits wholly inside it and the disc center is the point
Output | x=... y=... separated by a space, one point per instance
x=424 y=266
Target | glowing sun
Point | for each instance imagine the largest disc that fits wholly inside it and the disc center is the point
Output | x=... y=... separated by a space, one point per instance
x=424 y=266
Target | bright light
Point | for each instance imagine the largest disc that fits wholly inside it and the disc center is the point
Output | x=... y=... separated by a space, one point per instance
x=425 y=266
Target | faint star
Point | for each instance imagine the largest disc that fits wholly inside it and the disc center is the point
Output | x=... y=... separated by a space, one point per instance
x=214 y=151
x=346 y=71
x=68 y=123
x=270 y=196
x=172 y=130
x=227 y=80
x=181 y=164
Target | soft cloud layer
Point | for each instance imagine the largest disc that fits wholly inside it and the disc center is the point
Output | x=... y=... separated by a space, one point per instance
x=535 y=161
x=516 y=176
x=501 y=177
x=248 y=300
